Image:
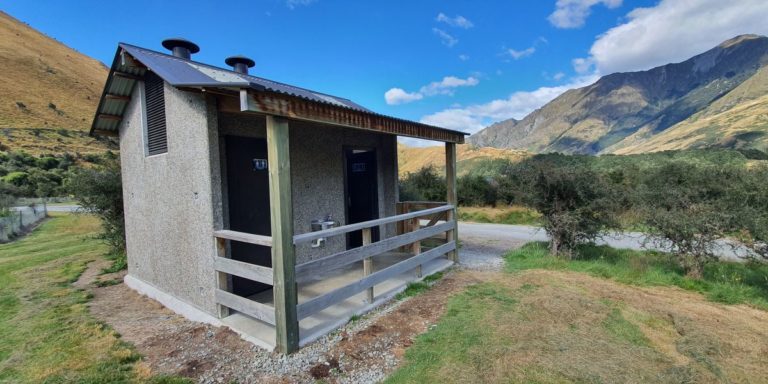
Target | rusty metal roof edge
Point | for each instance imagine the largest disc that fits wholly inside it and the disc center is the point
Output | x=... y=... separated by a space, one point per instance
x=376 y=114
x=105 y=91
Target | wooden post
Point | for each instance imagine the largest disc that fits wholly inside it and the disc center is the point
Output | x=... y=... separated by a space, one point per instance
x=450 y=180
x=368 y=262
x=283 y=251
x=416 y=247
x=221 y=277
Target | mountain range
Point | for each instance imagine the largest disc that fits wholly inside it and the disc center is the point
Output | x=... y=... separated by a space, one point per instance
x=49 y=92
x=716 y=99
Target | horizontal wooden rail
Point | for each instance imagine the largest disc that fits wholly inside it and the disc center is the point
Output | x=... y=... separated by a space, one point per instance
x=244 y=237
x=321 y=302
x=343 y=258
x=307 y=237
x=245 y=270
x=245 y=306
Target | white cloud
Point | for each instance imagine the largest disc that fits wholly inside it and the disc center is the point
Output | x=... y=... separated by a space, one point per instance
x=446 y=86
x=445 y=37
x=458 y=21
x=675 y=30
x=573 y=13
x=519 y=104
x=520 y=54
x=399 y=96
x=463 y=57
x=582 y=65
x=292 y=4
x=558 y=76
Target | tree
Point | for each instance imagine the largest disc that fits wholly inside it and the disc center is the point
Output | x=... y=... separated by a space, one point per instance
x=99 y=191
x=476 y=190
x=686 y=207
x=750 y=207
x=423 y=185
x=576 y=203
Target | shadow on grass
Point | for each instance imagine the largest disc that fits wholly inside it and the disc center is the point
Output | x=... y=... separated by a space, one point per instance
x=724 y=282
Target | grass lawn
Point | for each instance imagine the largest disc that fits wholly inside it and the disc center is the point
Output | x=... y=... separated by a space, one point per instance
x=46 y=332
x=724 y=282
x=614 y=316
x=500 y=215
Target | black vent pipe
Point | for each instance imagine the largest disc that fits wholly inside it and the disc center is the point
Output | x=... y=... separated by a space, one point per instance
x=181 y=48
x=240 y=64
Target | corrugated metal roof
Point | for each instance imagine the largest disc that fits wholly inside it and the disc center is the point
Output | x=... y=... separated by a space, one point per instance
x=181 y=72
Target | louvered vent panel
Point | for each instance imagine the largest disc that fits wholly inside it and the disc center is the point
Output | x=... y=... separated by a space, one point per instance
x=157 y=138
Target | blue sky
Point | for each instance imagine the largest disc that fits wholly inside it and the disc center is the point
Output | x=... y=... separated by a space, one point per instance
x=459 y=64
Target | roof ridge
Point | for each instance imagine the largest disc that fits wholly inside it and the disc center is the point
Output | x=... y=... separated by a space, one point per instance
x=231 y=71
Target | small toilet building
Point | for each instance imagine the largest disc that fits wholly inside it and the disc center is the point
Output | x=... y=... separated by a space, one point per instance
x=262 y=206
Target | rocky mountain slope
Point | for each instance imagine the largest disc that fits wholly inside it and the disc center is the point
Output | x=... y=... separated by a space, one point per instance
x=48 y=92
x=717 y=98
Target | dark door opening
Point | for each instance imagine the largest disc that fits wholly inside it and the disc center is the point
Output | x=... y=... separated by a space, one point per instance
x=361 y=192
x=248 y=199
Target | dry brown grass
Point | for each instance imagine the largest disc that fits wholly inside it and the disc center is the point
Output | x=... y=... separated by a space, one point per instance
x=551 y=326
x=411 y=159
x=39 y=141
x=40 y=73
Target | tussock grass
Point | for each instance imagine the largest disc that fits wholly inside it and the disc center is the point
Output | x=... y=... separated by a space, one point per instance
x=46 y=332
x=514 y=215
x=723 y=282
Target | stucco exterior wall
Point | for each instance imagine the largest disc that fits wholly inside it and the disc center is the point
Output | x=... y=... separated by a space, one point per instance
x=174 y=200
x=317 y=173
x=168 y=198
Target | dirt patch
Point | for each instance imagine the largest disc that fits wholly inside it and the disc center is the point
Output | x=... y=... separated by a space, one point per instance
x=361 y=352
x=92 y=273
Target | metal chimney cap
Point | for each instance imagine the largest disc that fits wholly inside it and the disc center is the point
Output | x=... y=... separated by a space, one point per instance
x=174 y=42
x=239 y=59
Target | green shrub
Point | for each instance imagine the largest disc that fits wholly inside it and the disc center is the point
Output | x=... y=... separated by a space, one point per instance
x=576 y=203
x=99 y=191
x=476 y=190
x=423 y=185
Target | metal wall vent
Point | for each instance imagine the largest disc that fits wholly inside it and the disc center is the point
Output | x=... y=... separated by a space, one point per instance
x=157 y=137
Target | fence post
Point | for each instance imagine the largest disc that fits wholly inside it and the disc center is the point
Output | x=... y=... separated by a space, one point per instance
x=416 y=246
x=451 y=198
x=368 y=262
x=222 y=280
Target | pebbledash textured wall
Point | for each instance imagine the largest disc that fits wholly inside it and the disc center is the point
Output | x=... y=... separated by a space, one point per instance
x=168 y=198
x=174 y=201
x=317 y=173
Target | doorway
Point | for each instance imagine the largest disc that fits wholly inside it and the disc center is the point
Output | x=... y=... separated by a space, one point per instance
x=361 y=192
x=248 y=201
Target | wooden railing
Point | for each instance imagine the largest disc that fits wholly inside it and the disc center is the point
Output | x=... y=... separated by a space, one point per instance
x=369 y=250
x=225 y=266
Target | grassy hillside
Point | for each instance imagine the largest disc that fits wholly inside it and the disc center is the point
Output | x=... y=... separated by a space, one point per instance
x=411 y=159
x=48 y=86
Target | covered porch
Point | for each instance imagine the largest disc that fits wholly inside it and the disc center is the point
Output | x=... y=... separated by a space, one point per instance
x=309 y=299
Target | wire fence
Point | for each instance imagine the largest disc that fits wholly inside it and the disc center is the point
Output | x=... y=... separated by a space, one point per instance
x=18 y=220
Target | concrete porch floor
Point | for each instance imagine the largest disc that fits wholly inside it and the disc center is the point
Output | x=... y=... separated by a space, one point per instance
x=313 y=327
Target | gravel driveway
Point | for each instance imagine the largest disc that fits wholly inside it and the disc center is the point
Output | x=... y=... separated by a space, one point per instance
x=483 y=245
